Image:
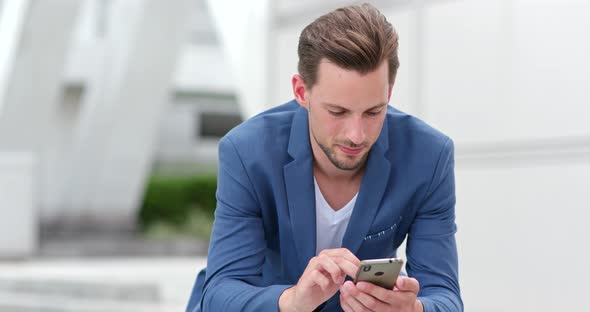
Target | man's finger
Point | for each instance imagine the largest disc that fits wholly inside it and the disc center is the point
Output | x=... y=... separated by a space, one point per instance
x=405 y=283
x=342 y=252
x=344 y=304
x=370 y=302
x=329 y=265
x=349 y=291
x=317 y=278
x=345 y=259
x=382 y=294
x=348 y=267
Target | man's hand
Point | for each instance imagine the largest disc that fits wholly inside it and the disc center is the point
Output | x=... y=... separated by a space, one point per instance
x=369 y=297
x=321 y=279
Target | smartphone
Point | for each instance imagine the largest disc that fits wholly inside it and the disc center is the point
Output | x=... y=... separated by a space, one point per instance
x=381 y=272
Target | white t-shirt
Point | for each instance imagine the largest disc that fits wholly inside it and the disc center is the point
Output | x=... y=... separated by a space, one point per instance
x=330 y=224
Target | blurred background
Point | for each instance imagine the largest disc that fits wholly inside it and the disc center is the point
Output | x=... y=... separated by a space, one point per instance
x=111 y=110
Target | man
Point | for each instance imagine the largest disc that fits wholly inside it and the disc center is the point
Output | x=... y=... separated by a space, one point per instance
x=308 y=189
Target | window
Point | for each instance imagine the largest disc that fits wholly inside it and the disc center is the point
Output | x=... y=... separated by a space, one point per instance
x=214 y=125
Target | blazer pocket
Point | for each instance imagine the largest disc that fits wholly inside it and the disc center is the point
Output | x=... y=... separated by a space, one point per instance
x=383 y=233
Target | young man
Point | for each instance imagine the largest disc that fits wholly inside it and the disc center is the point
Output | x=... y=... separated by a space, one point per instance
x=308 y=189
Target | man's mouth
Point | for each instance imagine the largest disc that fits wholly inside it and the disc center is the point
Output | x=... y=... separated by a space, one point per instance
x=351 y=151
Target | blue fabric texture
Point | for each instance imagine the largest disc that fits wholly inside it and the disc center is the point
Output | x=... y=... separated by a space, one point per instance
x=264 y=232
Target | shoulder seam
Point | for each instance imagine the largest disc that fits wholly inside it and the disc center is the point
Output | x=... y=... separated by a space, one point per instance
x=255 y=194
x=436 y=169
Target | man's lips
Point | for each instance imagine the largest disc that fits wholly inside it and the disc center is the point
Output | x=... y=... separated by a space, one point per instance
x=351 y=151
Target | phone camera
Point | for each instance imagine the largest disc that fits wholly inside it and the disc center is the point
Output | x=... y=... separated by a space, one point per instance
x=367 y=268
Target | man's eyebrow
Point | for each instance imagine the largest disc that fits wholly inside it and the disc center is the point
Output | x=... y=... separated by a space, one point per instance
x=378 y=106
x=332 y=105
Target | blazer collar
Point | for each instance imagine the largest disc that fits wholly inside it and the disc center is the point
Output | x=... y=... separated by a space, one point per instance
x=299 y=145
x=300 y=189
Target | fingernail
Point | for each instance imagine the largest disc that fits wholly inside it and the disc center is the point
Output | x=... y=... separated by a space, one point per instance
x=400 y=282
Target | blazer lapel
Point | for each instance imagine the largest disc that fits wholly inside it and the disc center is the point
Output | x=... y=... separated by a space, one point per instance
x=373 y=187
x=300 y=189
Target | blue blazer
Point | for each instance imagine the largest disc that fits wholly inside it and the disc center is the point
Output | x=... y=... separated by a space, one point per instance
x=264 y=232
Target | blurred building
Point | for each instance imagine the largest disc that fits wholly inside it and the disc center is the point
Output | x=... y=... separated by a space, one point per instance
x=94 y=93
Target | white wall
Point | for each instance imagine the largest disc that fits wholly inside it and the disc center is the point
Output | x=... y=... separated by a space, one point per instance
x=203 y=68
x=243 y=31
x=31 y=116
x=507 y=80
x=18 y=226
x=522 y=235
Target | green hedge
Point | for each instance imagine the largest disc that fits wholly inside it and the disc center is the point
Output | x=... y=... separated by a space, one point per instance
x=173 y=201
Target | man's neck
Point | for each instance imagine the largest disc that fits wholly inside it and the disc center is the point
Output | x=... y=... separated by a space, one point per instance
x=328 y=171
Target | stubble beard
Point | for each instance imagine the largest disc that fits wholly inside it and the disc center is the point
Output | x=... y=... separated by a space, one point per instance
x=331 y=155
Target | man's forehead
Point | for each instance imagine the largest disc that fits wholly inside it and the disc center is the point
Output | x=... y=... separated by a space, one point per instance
x=327 y=66
x=332 y=75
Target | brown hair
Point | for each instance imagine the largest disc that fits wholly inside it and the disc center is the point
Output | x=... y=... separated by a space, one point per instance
x=354 y=37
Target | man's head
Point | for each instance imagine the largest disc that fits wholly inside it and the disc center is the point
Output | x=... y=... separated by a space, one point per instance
x=356 y=38
x=347 y=66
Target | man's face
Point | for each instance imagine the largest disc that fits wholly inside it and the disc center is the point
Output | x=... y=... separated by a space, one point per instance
x=346 y=113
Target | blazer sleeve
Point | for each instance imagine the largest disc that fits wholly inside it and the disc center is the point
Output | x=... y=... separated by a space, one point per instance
x=431 y=248
x=237 y=247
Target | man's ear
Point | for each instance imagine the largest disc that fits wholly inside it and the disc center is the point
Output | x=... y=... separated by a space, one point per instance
x=300 y=91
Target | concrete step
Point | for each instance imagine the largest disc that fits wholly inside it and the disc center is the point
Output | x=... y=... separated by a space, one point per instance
x=17 y=302
x=90 y=245
x=93 y=290
x=118 y=284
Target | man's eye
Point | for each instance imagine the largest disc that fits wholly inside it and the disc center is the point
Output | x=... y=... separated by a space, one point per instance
x=372 y=114
x=336 y=113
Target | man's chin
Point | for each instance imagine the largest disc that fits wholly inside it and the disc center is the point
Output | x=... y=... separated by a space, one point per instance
x=351 y=163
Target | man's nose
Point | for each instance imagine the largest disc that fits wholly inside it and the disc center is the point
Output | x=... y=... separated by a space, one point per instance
x=356 y=130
